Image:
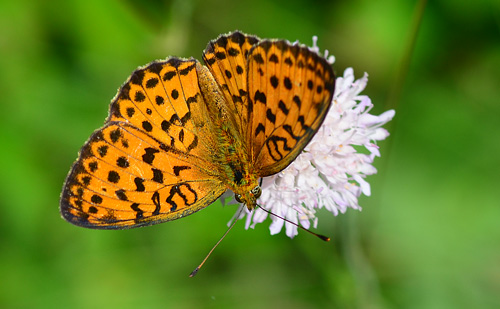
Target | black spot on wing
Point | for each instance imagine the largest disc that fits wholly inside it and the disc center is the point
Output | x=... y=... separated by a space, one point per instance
x=297 y=101
x=102 y=150
x=139 y=214
x=149 y=155
x=193 y=144
x=152 y=82
x=174 y=94
x=156 y=201
x=159 y=100
x=93 y=166
x=258 y=58
x=115 y=135
x=113 y=177
x=146 y=125
x=169 y=75
x=188 y=69
x=220 y=55
x=96 y=199
x=139 y=183
x=282 y=107
x=157 y=175
x=139 y=96
x=260 y=128
x=260 y=96
x=122 y=162
x=85 y=181
x=121 y=195
x=178 y=169
x=270 y=116
x=233 y=52
x=319 y=89
x=210 y=61
x=274 y=81
x=288 y=83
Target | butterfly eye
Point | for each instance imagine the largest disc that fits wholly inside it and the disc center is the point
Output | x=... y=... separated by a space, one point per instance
x=257 y=191
x=238 y=198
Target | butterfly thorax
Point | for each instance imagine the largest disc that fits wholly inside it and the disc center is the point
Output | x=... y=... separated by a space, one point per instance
x=236 y=171
x=232 y=157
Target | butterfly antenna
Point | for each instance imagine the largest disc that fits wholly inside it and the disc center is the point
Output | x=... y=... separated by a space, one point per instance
x=299 y=226
x=195 y=271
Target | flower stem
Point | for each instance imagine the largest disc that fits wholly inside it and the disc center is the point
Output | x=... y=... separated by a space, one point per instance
x=404 y=64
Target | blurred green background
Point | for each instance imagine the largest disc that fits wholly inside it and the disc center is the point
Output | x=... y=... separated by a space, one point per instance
x=428 y=237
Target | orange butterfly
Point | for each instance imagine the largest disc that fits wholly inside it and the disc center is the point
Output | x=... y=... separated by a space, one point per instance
x=179 y=134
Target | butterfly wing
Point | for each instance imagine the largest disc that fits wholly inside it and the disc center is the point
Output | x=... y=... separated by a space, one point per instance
x=290 y=89
x=150 y=162
x=226 y=58
x=279 y=93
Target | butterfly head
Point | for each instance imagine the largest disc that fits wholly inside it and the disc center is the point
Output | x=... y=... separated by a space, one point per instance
x=249 y=198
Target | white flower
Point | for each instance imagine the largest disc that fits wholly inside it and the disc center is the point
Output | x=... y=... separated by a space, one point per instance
x=330 y=172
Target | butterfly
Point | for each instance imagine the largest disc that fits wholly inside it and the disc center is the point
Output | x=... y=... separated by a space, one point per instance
x=179 y=134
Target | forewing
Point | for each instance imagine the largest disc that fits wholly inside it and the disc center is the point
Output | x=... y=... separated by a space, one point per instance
x=150 y=162
x=226 y=58
x=290 y=89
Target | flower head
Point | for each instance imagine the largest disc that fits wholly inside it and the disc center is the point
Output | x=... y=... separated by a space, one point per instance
x=330 y=172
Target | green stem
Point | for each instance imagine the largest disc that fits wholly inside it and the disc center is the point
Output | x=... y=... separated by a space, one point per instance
x=404 y=64
x=364 y=275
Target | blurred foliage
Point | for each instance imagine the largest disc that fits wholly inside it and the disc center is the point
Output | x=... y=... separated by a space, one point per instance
x=428 y=237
